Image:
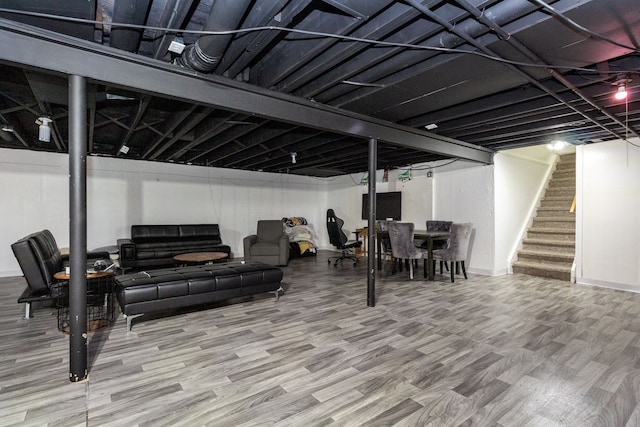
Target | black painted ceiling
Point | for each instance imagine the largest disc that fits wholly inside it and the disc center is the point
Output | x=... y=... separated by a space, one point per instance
x=496 y=74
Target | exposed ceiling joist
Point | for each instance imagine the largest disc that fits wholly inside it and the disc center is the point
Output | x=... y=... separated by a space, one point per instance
x=70 y=56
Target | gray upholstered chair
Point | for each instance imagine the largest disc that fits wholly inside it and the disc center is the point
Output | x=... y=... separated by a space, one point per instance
x=457 y=249
x=385 y=243
x=435 y=225
x=402 y=246
x=270 y=244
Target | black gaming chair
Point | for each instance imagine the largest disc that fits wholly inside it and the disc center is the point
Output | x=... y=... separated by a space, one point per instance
x=339 y=239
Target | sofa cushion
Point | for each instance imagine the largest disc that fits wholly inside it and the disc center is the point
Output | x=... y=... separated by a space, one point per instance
x=200 y=232
x=154 y=233
x=264 y=249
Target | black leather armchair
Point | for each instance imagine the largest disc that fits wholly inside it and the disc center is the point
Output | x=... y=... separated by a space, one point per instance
x=39 y=258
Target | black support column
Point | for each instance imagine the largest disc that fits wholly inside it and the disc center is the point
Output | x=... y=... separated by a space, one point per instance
x=371 y=249
x=78 y=228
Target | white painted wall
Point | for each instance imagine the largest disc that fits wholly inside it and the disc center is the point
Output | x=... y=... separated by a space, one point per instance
x=496 y=199
x=520 y=179
x=467 y=195
x=345 y=198
x=607 y=219
x=120 y=193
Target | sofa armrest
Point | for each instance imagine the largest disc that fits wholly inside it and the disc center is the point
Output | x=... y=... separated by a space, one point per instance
x=91 y=257
x=95 y=255
x=247 y=242
x=284 y=249
x=127 y=249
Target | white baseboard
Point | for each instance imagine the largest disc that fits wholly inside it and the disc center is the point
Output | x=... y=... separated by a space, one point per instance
x=609 y=285
x=485 y=272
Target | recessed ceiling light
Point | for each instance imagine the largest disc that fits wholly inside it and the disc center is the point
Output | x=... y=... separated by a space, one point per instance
x=431 y=126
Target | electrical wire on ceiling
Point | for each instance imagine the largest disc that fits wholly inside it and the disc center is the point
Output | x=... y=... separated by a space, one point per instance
x=583 y=29
x=325 y=35
x=421 y=168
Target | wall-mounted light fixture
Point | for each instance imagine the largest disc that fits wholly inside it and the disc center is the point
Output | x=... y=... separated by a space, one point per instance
x=44 y=130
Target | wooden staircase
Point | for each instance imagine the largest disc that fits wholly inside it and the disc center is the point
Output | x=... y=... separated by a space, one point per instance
x=549 y=248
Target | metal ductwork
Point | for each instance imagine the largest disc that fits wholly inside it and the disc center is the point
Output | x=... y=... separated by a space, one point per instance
x=128 y=12
x=204 y=55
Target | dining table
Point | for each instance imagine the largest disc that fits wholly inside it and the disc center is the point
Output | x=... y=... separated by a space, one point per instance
x=428 y=236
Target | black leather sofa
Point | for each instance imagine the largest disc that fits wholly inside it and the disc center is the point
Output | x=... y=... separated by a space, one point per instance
x=171 y=288
x=156 y=245
x=39 y=258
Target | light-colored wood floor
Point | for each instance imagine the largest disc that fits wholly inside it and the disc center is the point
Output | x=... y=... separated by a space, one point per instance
x=504 y=351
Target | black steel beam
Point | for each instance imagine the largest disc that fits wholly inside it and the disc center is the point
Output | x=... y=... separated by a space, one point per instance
x=34 y=47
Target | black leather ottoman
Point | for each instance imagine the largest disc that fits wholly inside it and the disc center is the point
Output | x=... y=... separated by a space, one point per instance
x=169 y=288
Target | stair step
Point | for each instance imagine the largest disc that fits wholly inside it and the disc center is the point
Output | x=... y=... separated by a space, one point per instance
x=568 y=181
x=566 y=226
x=549 y=247
x=551 y=233
x=549 y=209
x=564 y=173
x=561 y=188
x=555 y=213
x=542 y=270
x=550 y=243
x=560 y=192
x=565 y=168
x=548 y=257
x=558 y=205
x=557 y=202
x=562 y=219
x=556 y=198
x=550 y=230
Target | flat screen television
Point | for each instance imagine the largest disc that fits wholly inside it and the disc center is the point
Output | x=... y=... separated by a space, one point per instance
x=388 y=205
